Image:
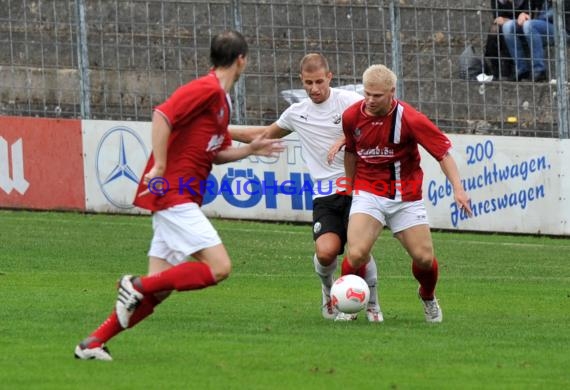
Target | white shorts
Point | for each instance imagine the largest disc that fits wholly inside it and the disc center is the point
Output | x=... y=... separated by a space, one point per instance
x=395 y=214
x=180 y=231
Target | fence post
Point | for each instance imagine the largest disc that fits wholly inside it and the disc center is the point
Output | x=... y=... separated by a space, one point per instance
x=239 y=88
x=83 y=60
x=396 y=46
x=561 y=75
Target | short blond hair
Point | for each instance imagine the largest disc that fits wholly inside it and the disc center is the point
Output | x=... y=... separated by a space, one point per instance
x=379 y=74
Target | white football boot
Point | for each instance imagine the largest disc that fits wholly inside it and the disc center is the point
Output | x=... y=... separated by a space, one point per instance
x=128 y=300
x=432 y=310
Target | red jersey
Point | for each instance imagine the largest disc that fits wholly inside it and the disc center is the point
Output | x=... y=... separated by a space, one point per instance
x=198 y=114
x=386 y=149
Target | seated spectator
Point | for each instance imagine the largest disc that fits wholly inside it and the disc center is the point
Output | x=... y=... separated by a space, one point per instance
x=535 y=29
x=498 y=61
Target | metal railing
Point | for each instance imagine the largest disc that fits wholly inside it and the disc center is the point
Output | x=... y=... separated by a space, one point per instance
x=117 y=59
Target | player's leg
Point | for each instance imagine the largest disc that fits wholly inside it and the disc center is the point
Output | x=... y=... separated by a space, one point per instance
x=373 y=310
x=329 y=234
x=327 y=247
x=364 y=226
x=411 y=228
x=150 y=301
x=369 y=272
x=180 y=232
x=93 y=346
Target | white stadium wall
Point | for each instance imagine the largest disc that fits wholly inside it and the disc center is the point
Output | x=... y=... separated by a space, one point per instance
x=517 y=184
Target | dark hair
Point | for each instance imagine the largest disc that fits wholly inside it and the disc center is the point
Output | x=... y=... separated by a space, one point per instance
x=226 y=47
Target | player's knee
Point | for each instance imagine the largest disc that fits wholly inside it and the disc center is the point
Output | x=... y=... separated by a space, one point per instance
x=357 y=257
x=326 y=256
x=424 y=261
x=222 y=271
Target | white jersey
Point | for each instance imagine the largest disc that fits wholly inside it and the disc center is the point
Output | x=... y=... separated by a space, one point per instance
x=318 y=127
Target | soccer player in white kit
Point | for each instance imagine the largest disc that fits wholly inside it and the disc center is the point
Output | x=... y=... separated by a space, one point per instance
x=317 y=122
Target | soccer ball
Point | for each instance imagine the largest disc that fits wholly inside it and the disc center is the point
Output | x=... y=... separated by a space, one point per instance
x=350 y=294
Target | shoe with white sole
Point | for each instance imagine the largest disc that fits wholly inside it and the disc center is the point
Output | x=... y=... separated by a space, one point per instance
x=97 y=353
x=345 y=316
x=432 y=310
x=128 y=300
x=373 y=313
x=328 y=310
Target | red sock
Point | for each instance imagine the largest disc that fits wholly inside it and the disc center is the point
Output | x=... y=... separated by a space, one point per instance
x=427 y=279
x=146 y=308
x=109 y=328
x=346 y=269
x=192 y=275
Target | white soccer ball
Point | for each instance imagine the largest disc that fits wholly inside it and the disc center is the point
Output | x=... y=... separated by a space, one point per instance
x=350 y=294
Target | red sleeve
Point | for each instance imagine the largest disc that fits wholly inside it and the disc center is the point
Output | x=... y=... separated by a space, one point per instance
x=429 y=136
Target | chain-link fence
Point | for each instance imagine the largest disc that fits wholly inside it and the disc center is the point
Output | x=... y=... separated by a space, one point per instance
x=116 y=59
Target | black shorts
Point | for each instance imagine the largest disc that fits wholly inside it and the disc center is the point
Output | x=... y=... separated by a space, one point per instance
x=330 y=215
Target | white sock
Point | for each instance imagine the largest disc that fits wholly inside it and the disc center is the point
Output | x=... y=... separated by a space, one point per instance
x=371 y=277
x=325 y=272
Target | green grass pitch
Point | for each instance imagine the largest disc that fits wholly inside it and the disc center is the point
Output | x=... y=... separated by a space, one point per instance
x=505 y=300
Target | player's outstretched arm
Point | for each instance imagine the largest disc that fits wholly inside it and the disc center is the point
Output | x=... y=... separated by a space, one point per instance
x=247 y=134
x=260 y=146
x=449 y=168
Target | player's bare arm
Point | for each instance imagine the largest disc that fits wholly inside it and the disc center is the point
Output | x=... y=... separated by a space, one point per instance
x=349 y=167
x=160 y=135
x=335 y=148
x=449 y=168
x=260 y=146
x=247 y=134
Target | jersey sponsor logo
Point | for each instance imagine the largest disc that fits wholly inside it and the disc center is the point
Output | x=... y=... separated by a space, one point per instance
x=15 y=180
x=123 y=143
x=215 y=143
x=376 y=152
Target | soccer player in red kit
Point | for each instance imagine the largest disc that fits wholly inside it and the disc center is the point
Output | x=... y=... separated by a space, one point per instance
x=382 y=164
x=189 y=134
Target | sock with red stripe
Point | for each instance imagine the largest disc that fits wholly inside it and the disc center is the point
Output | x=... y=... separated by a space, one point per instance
x=111 y=326
x=192 y=275
x=346 y=269
x=427 y=279
x=108 y=329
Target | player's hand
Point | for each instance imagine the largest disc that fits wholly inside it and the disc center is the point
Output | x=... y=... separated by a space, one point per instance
x=334 y=149
x=154 y=172
x=462 y=199
x=268 y=147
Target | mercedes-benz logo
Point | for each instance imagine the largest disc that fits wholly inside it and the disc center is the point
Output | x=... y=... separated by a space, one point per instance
x=121 y=153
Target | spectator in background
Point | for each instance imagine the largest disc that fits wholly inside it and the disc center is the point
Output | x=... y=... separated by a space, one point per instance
x=498 y=61
x=535 y=29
